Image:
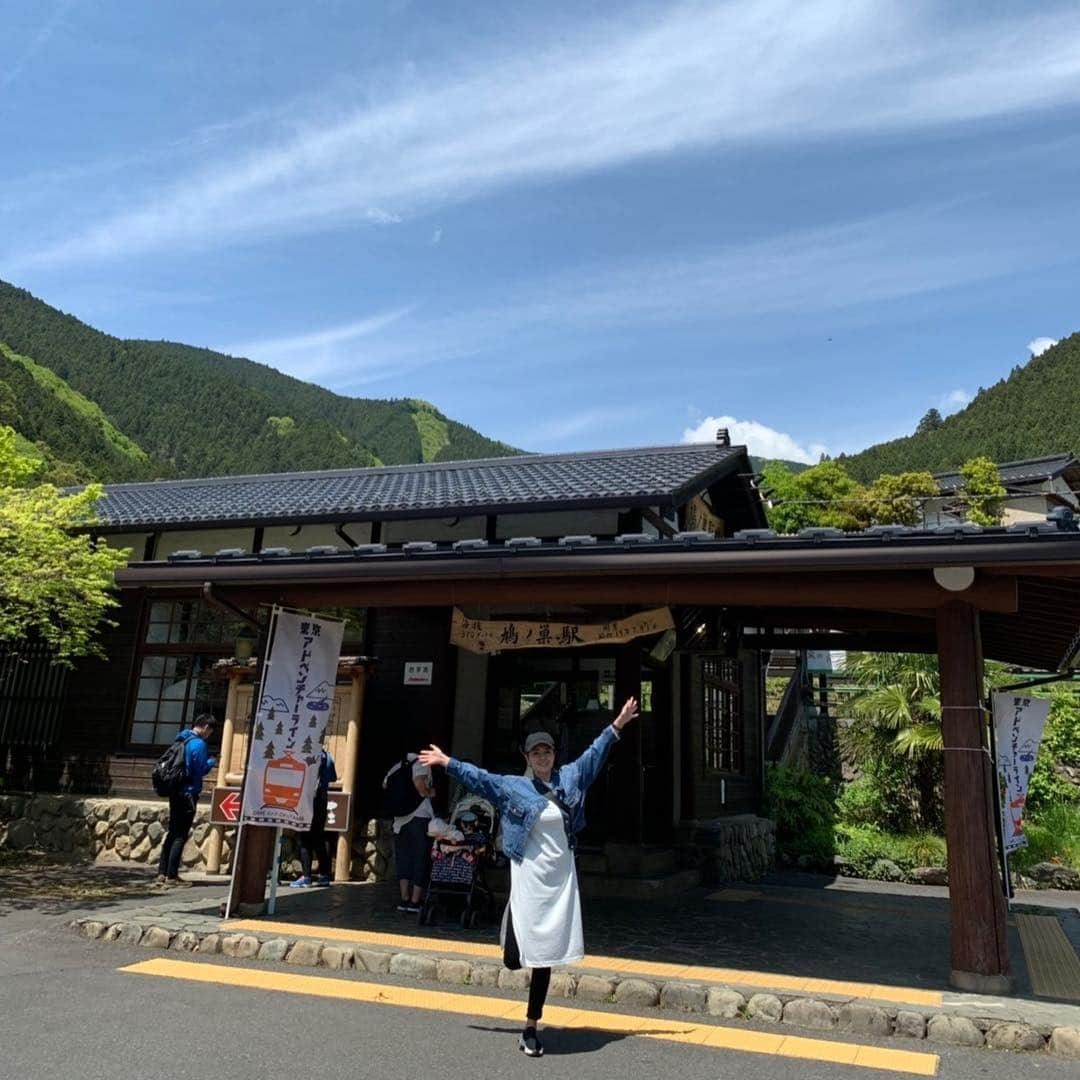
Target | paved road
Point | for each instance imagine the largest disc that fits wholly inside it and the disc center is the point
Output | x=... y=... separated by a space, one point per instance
x=67 y=1010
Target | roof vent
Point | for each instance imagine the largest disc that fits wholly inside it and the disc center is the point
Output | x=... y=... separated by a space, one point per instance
x=752 y=536
x=576 y=541
x=634 y=538
x=275 y=553
x=516 y=542
x=415 y=547
x=959 y=529
x=723 y=437
x=321 y=549
x=185 y=555
x=821 y=532
x=230 y=553
x=1064 y=518
x=369 y=549
x=701 y=537
x=474 y=543
x=1032 y=528
x=887 y=532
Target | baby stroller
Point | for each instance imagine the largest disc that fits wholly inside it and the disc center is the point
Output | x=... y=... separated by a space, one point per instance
x=458 y=860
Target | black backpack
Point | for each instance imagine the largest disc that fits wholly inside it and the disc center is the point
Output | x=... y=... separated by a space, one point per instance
x=170 y=773
x=400 y=797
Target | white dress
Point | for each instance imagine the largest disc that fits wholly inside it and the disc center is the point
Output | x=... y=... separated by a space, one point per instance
x=544 y=900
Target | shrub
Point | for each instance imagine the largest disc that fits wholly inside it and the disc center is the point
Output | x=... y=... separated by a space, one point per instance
x=1060 y=745
x=1054 y=836
x=798 y=801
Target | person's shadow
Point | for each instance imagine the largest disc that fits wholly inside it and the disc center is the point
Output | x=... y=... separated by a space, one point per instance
x=564 y=1041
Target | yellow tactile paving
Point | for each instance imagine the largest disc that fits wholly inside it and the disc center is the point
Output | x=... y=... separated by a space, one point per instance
x=668 y=1029
x=1051 y=959
x=767 y=980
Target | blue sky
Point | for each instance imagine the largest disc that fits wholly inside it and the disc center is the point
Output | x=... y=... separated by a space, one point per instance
x=570 y=225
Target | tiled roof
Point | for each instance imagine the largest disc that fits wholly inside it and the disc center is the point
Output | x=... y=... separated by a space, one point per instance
x=653 y=476
x=1031 y=471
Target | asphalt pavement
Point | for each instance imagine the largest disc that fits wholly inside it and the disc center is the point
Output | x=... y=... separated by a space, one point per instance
x=67 y=1009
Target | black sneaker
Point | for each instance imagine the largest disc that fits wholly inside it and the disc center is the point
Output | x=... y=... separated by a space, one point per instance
x=529 y=1044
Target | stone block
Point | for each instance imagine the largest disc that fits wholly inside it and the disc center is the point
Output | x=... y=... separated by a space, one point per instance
x=485 y=974
x=957 y=1030
x=157 y=937
x=910 y=1025
x=132 y=814
x=684 y=997
x=414 y=965
x=186 y=941
x=809 y=1013
x=305 y=953
x=21 y=835
x=137 y=830
x=155 y=831
x=453 y=971
x=1065 y=1042
x=514 y=980
x=191 y=854
x=765 y=1007
x=595 y=988
x=117 y=811
x=864 y=1019
x=725 y=1003
x=373 y=960
x=211 y=943
x=563 y=984
x=240 y=946
x=125 y=933
x=148 y=813
x=1013 y=1036
x=122 y=847
x=637 y=993
x=101 y=828
x=337 y=957
x=92 y=929
x=141 y=851
x=274 y=949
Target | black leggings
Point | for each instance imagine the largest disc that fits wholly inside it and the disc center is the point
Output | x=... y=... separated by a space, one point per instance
x=541 y=976
x=313 y=842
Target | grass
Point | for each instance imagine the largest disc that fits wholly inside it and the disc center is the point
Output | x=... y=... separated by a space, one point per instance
x=1054 y=836
x=434 y=433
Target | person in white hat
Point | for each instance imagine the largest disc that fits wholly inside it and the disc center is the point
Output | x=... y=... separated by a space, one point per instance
x=541 y=816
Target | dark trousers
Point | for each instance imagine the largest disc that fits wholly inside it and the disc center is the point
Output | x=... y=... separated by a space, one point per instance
x=541 y=977
x=313 y=842
x=181 y=818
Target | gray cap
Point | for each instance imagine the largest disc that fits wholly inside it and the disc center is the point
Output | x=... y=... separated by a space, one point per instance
x=538 y=738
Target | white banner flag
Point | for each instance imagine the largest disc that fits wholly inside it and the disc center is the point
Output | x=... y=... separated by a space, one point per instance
x=291 y=720
x=1018 y=728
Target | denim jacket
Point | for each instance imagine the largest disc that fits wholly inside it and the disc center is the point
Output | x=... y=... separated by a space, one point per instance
x=520 y=804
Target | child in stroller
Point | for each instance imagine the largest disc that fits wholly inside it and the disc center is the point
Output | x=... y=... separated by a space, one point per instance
x=460 y=852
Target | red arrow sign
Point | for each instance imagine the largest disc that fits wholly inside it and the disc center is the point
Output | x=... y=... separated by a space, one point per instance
x=230 y=806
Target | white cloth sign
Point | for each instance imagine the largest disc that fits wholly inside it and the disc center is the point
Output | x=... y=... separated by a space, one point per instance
x=1018 y=728
x=291 y=720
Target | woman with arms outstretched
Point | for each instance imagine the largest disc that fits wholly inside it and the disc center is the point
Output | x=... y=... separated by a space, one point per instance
x=541 y=817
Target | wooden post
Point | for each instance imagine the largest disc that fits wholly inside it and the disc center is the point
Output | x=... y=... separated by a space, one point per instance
x=977 y=912
x=251 y=863
x=217 y=832
x=343 y=862
x=626 y=818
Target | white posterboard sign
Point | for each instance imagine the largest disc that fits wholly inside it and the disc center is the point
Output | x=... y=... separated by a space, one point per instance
x=291 y=720
x=418 y=672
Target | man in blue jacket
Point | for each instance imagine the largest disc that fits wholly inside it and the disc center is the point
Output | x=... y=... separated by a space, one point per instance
x=197 y=763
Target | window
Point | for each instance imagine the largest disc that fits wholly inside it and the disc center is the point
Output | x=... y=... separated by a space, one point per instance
x=722 y=715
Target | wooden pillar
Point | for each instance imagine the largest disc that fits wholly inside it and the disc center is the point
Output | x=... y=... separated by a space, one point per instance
x=625 y=809
x=977 y=910
x=251 y=863
x=228 y=730
x=342 y=864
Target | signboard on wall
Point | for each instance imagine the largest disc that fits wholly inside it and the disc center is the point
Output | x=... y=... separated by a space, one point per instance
x=418 y=672
x=494 y=635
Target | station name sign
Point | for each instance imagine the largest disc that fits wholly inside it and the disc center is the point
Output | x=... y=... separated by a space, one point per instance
x=494 y=635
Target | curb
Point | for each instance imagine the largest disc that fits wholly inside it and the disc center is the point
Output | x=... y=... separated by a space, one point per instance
x=853 y=1016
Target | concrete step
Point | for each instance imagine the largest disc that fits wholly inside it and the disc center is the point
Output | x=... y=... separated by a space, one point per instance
x=660 y=887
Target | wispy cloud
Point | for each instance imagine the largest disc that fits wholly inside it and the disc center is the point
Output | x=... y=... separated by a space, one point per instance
x=760 y=439
x=953 y=400
x=36 y=43
x=660 y=81
x=1040 y=345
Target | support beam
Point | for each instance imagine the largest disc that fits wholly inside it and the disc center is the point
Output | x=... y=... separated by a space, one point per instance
x=342 y=864
x=977 y=912
x=228 y=731
x=625 y=800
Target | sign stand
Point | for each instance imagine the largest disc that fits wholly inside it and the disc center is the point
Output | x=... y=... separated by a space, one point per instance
x=275 y=870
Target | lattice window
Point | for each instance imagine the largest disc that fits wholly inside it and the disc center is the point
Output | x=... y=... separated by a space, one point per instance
x=722 y=714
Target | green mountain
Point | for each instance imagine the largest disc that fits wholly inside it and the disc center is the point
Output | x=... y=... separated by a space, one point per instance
x=1033 y=412
x=101 y=407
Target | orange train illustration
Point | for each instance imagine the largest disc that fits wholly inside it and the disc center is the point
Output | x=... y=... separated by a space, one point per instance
x=283 y=782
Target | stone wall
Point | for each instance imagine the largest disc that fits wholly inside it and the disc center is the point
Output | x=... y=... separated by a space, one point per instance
x=730 y=849
x=131 y=830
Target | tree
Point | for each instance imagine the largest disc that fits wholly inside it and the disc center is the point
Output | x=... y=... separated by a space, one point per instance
x=983 y=491
x=899 y=499
x=259 y=733
x=269 y=752
x=55 y=582
x=930 y=422
x=306 y=747
x=822 y=495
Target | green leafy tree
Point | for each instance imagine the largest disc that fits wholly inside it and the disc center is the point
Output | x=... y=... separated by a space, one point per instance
x=55 y=582
x=822 y=495
x=1059 y=749
x=899 y=499
x=930 y=422
x=983 y=491
x=259 y=733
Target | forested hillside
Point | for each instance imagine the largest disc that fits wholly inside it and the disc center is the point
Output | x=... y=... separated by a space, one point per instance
x=1033 y=412
x=186 y=411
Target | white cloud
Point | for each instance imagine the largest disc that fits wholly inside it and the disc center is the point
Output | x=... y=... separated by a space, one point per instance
x=436 y=236
x=1040 y=345
x=610 y=93
x=953 y=400
x=759 y=439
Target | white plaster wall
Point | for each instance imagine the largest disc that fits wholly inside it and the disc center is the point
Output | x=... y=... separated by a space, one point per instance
x=586 y=522
x=444 y=529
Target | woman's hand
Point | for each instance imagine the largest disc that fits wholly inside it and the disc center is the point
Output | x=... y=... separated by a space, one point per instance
x=629 y=712
x=433 y=756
